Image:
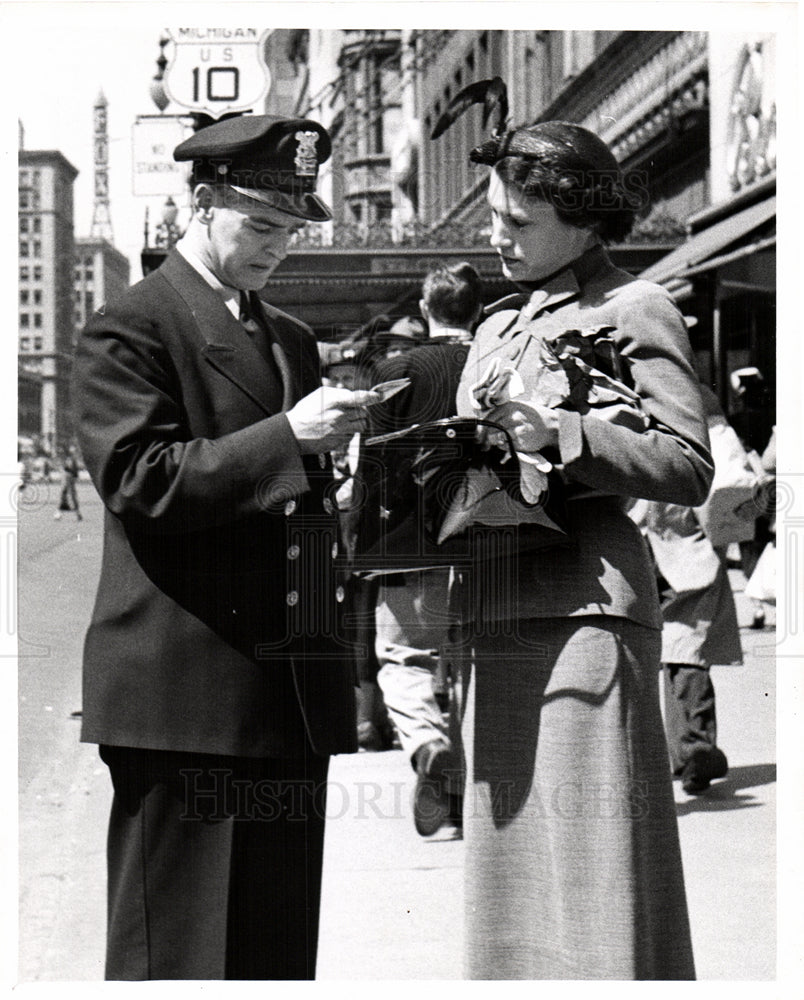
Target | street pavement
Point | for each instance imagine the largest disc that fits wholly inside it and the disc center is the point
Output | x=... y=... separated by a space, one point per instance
x=391 y=905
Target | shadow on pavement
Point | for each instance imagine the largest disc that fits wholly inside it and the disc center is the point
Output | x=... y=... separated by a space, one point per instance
x=724 y=795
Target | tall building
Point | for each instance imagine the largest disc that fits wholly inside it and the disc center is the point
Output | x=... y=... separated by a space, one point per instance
x=46 y=248
x=101 y=216
x=102 y=273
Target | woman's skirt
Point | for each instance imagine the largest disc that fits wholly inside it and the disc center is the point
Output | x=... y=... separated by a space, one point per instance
x=573 y=865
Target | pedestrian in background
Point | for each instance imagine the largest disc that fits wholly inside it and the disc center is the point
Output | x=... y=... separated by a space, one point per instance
x=753 y=420
x=413 y=620
x=214 y=678
x=68 y=500
x=689 y=549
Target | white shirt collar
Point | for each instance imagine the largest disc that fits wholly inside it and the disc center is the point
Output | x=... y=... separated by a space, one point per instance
x=451 y=332
x=230 y=296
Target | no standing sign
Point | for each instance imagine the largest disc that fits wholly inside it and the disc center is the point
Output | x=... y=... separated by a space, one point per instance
x=217 y=70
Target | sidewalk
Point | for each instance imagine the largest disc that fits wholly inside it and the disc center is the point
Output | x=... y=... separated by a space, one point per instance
x=392 y=901
x=391 y=905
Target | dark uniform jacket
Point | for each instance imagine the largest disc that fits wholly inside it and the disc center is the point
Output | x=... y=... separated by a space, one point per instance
x=215 y=624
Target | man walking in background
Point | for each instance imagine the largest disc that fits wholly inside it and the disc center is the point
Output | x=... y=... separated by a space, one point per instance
x=412 y=617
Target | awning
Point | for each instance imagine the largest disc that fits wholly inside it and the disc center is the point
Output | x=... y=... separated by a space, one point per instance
x=728 y=258
x=687 y=258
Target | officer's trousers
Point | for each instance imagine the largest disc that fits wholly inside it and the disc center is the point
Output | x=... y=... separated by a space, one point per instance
x=214 y=865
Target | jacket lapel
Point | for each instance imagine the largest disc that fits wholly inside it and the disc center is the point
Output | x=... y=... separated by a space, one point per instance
x=282 y=349
x=227 y=346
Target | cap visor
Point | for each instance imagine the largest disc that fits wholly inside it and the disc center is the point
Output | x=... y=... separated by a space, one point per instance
x=304 y=206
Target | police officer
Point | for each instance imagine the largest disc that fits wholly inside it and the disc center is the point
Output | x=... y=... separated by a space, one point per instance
x=215 y=682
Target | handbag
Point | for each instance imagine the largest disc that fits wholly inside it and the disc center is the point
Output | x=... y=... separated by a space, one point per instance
x=429 y=495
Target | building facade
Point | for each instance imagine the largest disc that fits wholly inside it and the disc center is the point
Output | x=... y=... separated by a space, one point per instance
x=644 y=92
x=690 y=115
x=724 y=272
x=101 y=273
x=400 y=201
x=45 y=330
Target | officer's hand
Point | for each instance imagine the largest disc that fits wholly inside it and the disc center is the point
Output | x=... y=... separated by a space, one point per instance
x=329 y=417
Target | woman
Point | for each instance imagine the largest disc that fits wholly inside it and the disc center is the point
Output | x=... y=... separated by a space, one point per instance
x=573 y=862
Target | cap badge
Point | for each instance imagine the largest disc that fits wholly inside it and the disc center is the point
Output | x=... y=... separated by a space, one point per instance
x=306 y=159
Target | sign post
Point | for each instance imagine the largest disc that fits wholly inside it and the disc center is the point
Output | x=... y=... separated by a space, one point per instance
x=217 y=71
x=154 y=171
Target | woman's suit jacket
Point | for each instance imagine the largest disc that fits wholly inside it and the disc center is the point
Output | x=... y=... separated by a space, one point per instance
x=603 y=569
x=215 y=624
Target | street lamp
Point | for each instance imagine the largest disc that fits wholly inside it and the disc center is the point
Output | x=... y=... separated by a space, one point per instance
x=167 y=232
x=157 y=89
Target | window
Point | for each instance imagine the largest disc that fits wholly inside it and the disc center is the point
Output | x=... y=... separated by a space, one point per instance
x=24 y=297
x=37 y=176
x=37 y=249
x=37 y=343
x=37 y=272
x=38 y=321
x=25 y=273
x=37 y=296
x=24 y=321
x=90 y=274
x=23 y=178
x=24 y=249
x=25 y=343
x=23 y=225
x=37 y=224
x=25 y=201
x=89 y=303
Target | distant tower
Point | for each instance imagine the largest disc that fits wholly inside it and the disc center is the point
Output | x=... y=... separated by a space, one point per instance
x=101 y=218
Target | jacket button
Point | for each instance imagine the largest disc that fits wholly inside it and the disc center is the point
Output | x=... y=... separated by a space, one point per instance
x=293 y=552
x=328 y=505
x=290 y=507
x=340 y=594
x=292 y=598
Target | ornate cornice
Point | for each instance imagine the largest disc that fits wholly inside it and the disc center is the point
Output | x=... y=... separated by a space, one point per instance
x=672 y=82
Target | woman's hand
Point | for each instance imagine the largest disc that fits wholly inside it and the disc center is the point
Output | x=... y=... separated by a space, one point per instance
x=532 y=428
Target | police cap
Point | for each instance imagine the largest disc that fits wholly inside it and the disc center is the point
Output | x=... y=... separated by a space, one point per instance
x=271 y=159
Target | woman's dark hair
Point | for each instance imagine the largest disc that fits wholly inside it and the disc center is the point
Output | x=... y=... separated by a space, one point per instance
x=571 y=169
x=452 y=294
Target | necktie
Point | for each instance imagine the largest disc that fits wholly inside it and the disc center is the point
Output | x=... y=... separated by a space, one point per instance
x=253 y=327
x=256 y=326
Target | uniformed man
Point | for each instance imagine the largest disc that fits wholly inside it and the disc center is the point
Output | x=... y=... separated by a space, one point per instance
x=214 y=679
